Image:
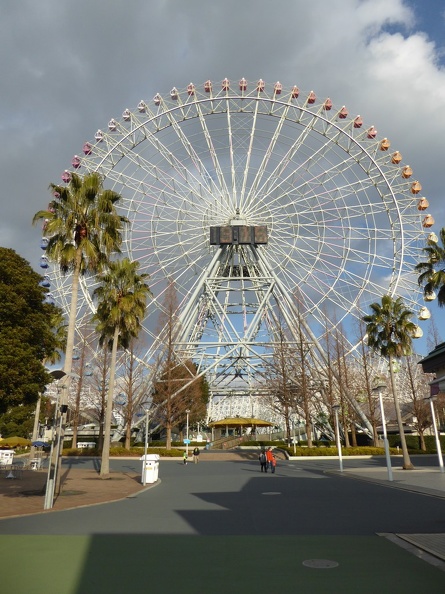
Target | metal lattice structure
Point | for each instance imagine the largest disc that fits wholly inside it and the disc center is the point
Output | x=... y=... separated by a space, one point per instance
x=339 y=217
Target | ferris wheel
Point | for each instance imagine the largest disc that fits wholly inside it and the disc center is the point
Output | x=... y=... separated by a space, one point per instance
x=261 y=205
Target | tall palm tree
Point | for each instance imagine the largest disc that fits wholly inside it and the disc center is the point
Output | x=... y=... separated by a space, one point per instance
x=390 y=332
x=432 y=272
x=83 y=228
x=122 y=297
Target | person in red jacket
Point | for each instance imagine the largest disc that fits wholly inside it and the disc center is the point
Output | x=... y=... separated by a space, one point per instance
x=270 y=460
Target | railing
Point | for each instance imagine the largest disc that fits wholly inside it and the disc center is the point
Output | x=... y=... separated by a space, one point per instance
x=226 y=443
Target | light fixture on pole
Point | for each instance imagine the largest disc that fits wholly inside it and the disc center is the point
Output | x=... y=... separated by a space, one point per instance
x=336 y=408
x=379 y=386
x=187 y=434
x=436 y=433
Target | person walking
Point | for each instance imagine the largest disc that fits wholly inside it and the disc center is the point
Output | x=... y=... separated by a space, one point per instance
x=196 y=455
x=263 y=461
x=184 y=458
x=269 y=460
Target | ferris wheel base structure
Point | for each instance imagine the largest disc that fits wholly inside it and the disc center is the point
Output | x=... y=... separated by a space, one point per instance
x=272 y=213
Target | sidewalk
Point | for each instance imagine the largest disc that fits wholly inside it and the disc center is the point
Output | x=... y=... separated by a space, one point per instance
x=429 y=481
x=25 y=493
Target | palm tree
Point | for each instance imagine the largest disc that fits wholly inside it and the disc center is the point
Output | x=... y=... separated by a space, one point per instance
x=83 y=228
x=432 y=272
x=390 y=332
x=122 y=298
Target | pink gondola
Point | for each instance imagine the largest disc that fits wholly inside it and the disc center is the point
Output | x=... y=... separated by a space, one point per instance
x=76 y=162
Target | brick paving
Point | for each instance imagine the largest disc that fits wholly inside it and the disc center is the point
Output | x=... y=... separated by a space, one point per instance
x=25 y=493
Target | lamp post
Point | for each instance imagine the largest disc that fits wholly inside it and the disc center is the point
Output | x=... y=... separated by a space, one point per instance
x=187 y=434
x=147 y=411
x=378 y=388
x=57 y=374
x=436 y=433
x=336 y=408
x=53 y=479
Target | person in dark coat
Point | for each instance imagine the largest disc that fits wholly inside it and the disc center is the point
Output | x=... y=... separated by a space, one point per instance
x=263 y=461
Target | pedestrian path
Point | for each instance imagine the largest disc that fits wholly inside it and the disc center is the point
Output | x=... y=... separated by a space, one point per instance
x=426 y=480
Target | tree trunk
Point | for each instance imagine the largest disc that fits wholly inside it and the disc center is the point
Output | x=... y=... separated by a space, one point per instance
x=67 y=368
x=35 y=431
x=105 y=462
x=168 y=443
x=407 y=464
x=128 y=436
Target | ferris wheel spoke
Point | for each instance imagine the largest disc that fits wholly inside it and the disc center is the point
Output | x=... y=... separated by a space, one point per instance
x=242 y=204
x=269 y=152
x=224 y=191
x=231 y=154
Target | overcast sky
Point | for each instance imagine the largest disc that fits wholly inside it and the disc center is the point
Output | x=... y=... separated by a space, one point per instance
x=67 y=68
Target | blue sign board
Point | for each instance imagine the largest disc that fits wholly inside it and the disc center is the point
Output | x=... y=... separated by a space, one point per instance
x=186 y=441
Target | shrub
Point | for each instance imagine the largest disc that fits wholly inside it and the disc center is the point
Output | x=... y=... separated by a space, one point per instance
x=332 y=451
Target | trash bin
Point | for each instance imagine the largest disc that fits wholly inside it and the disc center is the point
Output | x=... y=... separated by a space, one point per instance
x=35 y=463
x=150 y=468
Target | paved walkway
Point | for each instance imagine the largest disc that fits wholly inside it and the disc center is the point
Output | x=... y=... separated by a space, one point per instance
x=22 y=492
x=428 y=481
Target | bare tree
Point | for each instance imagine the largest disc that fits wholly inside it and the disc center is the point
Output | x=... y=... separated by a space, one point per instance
x=176 y=388
x=134 y=384
x=419 y=389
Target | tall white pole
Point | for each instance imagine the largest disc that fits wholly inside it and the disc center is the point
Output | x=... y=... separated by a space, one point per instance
x=144 y=478
x=385 y=438
x=337 y=435
x=187 y=435
x=436 y=434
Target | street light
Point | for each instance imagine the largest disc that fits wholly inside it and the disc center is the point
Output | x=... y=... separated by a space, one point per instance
x=187 y=435
x=53 y=479
x=378 y=388
x=436 y=433
x=147 y=411
x=336 y=408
